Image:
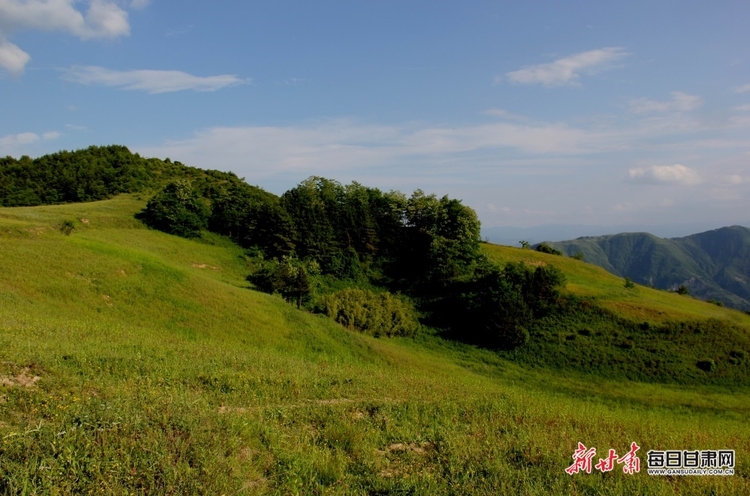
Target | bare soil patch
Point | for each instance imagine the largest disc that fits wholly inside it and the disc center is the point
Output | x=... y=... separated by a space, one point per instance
x=25 y=379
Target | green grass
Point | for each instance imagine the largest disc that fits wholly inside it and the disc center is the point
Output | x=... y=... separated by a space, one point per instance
x=640 y=303
x=161 y=372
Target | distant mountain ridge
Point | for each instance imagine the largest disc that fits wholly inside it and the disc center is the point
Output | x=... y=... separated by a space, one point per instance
x=713 y=264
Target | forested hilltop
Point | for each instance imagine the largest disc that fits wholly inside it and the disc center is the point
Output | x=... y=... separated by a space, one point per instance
x=388 y=264
x=95 y=173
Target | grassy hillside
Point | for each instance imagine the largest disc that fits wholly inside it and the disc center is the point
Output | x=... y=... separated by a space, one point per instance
x=132 y=361
x=637 y=333
x=713 y=264
x=640 y=303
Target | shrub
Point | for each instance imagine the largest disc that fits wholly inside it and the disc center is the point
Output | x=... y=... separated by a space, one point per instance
x=545 y=248
x=67 y=227
x=737 y=356
x=706 y=365
x=376 y=314
x=683 y=290
x=513 y=336
x=629 y=283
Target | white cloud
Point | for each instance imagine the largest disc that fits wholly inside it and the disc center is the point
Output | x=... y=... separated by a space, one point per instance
x=12 y=58
x=103 y=19
x=743 y=108
x=566 y=71
x=742 y=89
x=15 y=140
x=27 y=138
x=681 y=102
x=151 y=81
x=13 y=144
x=664 y=174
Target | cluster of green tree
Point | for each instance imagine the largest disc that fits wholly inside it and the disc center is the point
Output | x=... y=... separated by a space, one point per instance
x=177 y=209
x=498 y=305
x=377 y=314
x=287 y=276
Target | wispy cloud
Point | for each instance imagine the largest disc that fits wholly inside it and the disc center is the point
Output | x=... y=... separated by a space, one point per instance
x=681 y=102
x=13 y=140
x=102 y=19
x=742 y=89
x=504 y=114
x=139 y=4
x=526 y=147
x=664 y=174
x=13 y=143
x=294 y=81
x=179 y=31
x=342 y=144
x=151 y=81
x=567 y=70
x=743 y=108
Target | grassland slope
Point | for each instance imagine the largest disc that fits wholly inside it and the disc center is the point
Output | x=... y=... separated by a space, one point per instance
x=132 y=361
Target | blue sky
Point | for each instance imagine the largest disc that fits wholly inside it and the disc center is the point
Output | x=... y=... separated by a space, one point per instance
x=576 y=112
